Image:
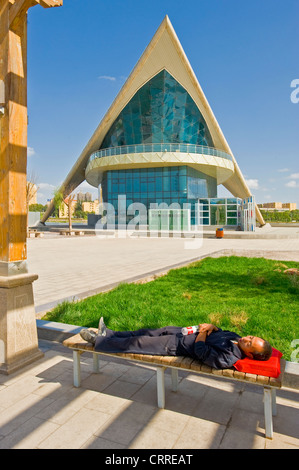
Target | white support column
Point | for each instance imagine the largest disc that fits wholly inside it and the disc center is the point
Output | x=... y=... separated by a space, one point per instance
x=174 y=379
x=161 y=387
x=96 y=363
x=274 y=410
x=76 y=368
x=268 y=412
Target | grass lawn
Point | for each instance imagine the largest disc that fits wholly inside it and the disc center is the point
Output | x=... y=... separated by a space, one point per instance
x=245 y=295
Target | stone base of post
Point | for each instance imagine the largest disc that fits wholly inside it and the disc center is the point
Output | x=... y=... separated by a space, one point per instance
x=18 y=331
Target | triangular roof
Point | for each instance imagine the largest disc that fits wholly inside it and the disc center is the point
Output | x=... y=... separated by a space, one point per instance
x=163 y=52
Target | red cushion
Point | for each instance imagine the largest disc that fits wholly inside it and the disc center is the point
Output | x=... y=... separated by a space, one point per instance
x=269 y=368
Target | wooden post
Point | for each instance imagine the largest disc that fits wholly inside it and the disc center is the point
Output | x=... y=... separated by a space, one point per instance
x=18 y=334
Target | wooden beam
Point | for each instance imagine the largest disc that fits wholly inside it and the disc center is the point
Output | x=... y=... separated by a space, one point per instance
x=18 y=334
x=13 y=144
x=18 y=8
x=50 y=3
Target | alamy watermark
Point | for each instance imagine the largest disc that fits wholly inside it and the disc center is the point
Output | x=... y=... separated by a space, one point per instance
x=295 y=93
x=295 y=354
x=161 y=220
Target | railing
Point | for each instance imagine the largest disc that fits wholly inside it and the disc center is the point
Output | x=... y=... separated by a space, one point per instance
x=140 y=148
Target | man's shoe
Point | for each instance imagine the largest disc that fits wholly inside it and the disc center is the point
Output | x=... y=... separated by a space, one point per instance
x=88 y=335
x=102 y=327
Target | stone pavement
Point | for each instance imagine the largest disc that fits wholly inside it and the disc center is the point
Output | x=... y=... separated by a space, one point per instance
x=117 y=409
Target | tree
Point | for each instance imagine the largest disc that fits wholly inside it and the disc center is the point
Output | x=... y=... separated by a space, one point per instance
x=37 y=208
x=31 y=190
x=69 y=202
x=59 y=199
x=78 y=212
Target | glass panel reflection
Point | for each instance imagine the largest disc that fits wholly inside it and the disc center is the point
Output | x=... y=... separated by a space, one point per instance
x=161 y=111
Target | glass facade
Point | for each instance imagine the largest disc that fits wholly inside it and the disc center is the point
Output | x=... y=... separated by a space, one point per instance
x=161 y=115
x=220 y=211
x=177 y=184
x=161 y=111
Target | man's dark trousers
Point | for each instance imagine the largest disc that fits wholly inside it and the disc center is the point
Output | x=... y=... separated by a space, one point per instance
x=162 y=341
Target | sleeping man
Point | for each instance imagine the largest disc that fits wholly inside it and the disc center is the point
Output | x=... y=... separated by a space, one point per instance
x=212 y=346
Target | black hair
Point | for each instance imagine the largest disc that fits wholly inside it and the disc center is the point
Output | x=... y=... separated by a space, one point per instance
x=266 y=352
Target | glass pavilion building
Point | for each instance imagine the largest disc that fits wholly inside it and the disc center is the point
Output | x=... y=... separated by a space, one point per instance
x=160 y=144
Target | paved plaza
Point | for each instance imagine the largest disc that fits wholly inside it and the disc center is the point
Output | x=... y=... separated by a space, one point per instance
x=117 y=408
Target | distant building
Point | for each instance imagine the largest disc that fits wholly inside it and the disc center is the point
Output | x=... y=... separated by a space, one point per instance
x=292 y=206
x=280 y=206
x=84 y=197
x=87 y=206
x=270 y=205
x=91 y=206
x=80 y=197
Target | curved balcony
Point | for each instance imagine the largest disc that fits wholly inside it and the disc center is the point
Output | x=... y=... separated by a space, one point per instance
x=209 y=160
x=144 y=148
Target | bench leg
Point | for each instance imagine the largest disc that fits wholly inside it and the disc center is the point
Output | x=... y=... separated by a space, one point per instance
x=161 y=387
x=274 y=410
x=96 y=363
x=174 y=379
x=268 y=412
x=76 y=368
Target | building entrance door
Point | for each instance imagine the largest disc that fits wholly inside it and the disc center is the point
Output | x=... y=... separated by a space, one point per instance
x=217 y=215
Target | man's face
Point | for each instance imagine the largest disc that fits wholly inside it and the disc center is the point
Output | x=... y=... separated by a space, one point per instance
x=251 y=344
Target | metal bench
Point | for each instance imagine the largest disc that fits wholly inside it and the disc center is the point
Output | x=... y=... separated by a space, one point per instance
x=33 y=233
x=71 y=232
x=176 y=363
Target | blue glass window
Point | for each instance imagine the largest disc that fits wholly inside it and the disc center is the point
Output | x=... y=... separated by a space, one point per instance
x=179 y=184
x=162 y=111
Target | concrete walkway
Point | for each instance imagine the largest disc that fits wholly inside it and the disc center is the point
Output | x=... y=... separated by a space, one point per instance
x=117 y=409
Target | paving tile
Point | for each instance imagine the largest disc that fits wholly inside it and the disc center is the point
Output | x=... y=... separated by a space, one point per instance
x=20 y=411
x=247 y=420
x=151 y=437
x=200 y=434
x=67 y=405
x=107 y=402
x=217 y=405
x=165 y=420
x=124 y=427
x=76 y=431
x=138 y=374
x=28 y=435
x=18 y=390
x=147 y=394
x=123 y=389
x=237 y=438
x=282 y=441
x=286 y=422
x=99 y=443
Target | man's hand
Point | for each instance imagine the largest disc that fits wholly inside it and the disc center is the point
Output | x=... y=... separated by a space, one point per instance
x=205 y=329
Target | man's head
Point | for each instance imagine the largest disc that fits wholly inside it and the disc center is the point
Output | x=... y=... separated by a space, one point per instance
x=255 y=348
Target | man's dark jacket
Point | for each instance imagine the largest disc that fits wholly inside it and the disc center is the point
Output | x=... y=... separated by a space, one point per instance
x=217 y=351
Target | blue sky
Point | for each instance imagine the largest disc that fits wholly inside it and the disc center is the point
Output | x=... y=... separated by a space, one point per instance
x=244 y=54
